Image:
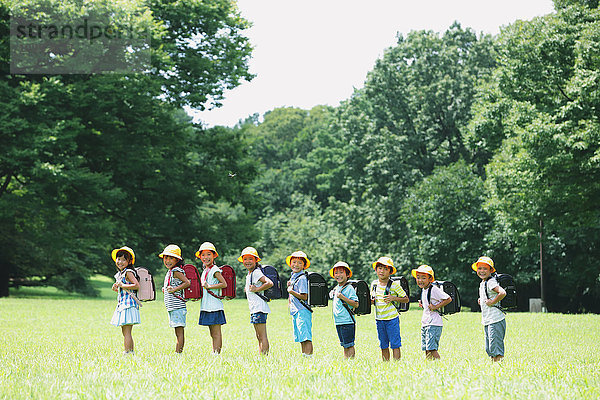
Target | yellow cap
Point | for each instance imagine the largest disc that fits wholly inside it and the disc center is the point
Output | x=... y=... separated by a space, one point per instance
x=125 y=248
x=385 y=261
x=249 y=251
x=343 y=265
x=423 y=269
x=207 y=246
x=299 y=254
x=484 y=260
x=171 y=250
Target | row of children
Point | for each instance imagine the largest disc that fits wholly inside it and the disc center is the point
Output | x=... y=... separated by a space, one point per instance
x=384 y=292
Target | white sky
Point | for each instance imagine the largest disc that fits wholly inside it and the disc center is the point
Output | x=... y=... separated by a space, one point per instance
x=313 y=52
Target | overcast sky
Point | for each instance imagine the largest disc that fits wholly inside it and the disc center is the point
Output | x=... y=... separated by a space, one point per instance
x=313 y=52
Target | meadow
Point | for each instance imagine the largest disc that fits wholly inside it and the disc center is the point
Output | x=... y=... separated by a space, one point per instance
x=59 y=346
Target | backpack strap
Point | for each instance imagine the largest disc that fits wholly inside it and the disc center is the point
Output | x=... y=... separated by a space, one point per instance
x=262 y=296
x=346 y=306
x=388 y=289
x=304 y=303
x=209 y=291
x=497 y=305
x=123 y=274
x=171 y=277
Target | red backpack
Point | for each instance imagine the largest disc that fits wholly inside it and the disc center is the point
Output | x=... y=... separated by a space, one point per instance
x=229 y=276
x=194 y=291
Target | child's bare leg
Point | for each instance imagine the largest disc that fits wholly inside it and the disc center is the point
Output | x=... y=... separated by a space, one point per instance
x=217 y=340
x=307 y=347
x=396 y=353
x=497 y=358
x=261 y=335
x=385 y=354
x=180 y=334
x=127 y=338
x=432 y=355
x=349 y=352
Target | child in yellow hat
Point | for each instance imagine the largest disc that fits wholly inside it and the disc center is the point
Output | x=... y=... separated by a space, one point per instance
x=212 y=312
x=492 y=317
x=344 y=297
x=432 y=299
x=384 y=291
x=297 y=288
x=256 y=282
x=127 y=312
x=174 y=284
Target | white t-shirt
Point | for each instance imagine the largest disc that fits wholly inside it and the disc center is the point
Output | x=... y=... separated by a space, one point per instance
x=437 y=296
x=210 y=302
x=489 y=315
x=255 y=303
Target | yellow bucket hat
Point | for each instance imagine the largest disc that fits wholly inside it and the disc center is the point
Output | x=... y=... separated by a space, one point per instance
x=207 y=246
x=343 y=265
x=124 y=248
x=385 y=261
x=249 y=251
x=423 y=269
x=299 y=254
x=171 y=250
x=484 y=260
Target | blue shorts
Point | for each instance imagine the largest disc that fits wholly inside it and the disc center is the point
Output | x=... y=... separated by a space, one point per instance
x=177 y=317
x=258 y=318
x=494 y=338
x=388 y=332
x=302 y=322
x=209 y=318
x=346 y=333
x=430 y=337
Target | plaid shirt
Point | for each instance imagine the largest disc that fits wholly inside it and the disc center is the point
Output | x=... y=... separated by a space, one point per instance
x=124 y=298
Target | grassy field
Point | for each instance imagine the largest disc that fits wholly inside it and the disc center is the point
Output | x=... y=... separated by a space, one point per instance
x=61 y=346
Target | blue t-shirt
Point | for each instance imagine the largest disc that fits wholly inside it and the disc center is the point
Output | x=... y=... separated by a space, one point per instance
x=341 y=316
x=300 y=285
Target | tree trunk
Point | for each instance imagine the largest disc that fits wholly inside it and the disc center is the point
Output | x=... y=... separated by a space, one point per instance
x=3 y=279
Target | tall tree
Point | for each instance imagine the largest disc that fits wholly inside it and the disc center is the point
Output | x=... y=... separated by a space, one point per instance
x=94 y=161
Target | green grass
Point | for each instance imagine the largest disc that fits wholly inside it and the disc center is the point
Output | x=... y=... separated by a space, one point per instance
x=62 y=346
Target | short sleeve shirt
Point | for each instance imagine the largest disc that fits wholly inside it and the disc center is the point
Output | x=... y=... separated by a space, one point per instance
x=300 y=285
x=255 y=303
x=386 y=311
x=341 y=316
x=173 y=300
x=489 y=315
x=210 y=302
x=437 y=296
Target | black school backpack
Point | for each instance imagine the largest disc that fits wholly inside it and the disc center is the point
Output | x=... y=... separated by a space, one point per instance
x=451 y=290
x=364 y=297
x=274 y=292
x=506 y=281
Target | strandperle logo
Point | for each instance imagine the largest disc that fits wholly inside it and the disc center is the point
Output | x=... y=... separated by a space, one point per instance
x=85 y=30
x=43 y=41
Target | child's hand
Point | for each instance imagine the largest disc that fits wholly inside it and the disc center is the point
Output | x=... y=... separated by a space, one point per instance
x=289 y=288
x=289 y=283
x=115 y=287
x=478 y=301
x=387 y=298
x=420 y=304
x=170 y=289
x=432 y=307
x=489 y=302
x=252 y=288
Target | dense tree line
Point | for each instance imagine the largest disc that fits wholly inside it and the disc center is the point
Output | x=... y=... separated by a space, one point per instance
x=458 y=145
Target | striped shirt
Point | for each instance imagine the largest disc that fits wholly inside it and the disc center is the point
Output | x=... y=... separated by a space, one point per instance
x=124 y=298
x=172 y=302
x=386 y=311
